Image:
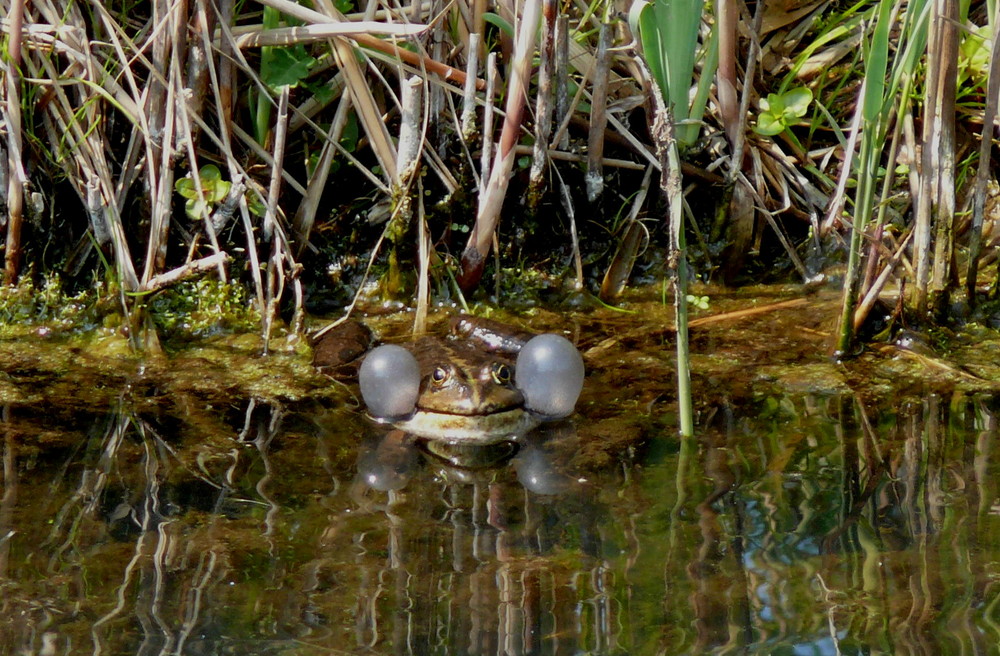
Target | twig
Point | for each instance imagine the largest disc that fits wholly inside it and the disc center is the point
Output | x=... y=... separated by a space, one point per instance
x=189 y=270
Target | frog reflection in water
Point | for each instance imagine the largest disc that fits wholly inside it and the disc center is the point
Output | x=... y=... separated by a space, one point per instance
x=484 y=383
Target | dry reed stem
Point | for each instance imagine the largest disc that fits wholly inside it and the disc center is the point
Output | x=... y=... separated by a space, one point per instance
x=543 y=104
x=576 y=158
x=868 y=301
x=940 y=150
x=486 y=156
x=305 y=216
x=256 y=37
x=367 y=111
x=594 y=177
x=18 y=179
x=423 y=265
x=983 y=169
x=743 y=314
x=478 y=246
x=727 y=23
x=282 y=266
x=277 y=164
x=567 y=202
x=835 y=206
x=468 y=130
x=562 y=80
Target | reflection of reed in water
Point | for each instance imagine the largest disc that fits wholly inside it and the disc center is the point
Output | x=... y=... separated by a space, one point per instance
x=469 y=560
x=815 y=523
x=843 y=526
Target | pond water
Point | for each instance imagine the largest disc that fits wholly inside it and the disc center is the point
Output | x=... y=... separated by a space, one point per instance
x=809 y=515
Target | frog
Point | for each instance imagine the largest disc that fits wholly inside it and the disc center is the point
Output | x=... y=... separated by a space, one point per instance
x=482 y=383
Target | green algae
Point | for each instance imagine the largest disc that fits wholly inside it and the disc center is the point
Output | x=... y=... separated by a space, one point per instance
x=205 y=307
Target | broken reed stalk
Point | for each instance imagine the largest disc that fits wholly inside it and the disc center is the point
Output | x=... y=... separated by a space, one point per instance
x=490 y=202
x=562 y=78
x=411 y=131
x=469 y=89
x=633 y=235
x=160 y=107
x=942 y=147
x=983 y=171
x=727 y=18
x=424 y=265
x=543 y=104
x=192 y=269
x=272 y=229
x=17 y=177
x=412 y=128
x=594 y=177
x=486 y=157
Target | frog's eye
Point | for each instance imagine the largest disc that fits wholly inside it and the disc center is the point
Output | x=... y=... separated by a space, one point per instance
x=439 y=375
x=501 y=373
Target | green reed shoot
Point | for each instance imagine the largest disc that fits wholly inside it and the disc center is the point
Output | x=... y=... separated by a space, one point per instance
x=669 y=30
x=884 y=79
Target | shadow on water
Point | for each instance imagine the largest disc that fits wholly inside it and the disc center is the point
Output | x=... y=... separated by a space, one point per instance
x=808 y=524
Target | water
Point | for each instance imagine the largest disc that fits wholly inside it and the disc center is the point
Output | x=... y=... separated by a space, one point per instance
x=797 y=522
x=811 y=528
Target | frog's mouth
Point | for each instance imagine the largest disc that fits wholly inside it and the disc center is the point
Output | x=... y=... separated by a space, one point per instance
x=483 y=427
x=548 y=380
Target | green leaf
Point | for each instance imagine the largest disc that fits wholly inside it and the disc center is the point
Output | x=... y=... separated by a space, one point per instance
x=254 y=204
x=500 y=23
x=351 y=135
x=775 y=104
x=769 y=124
x=877 y=64
x=193 y=208
x=185 y=187
x=218 y=191
x=209 y=174
x=668 y=31
x=974 y=51
x=213 y=187
x=797 y=101
x=287 y=66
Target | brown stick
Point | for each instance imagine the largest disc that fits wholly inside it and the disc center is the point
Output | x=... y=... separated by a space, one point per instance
x=189 y=270
x=742 y=314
